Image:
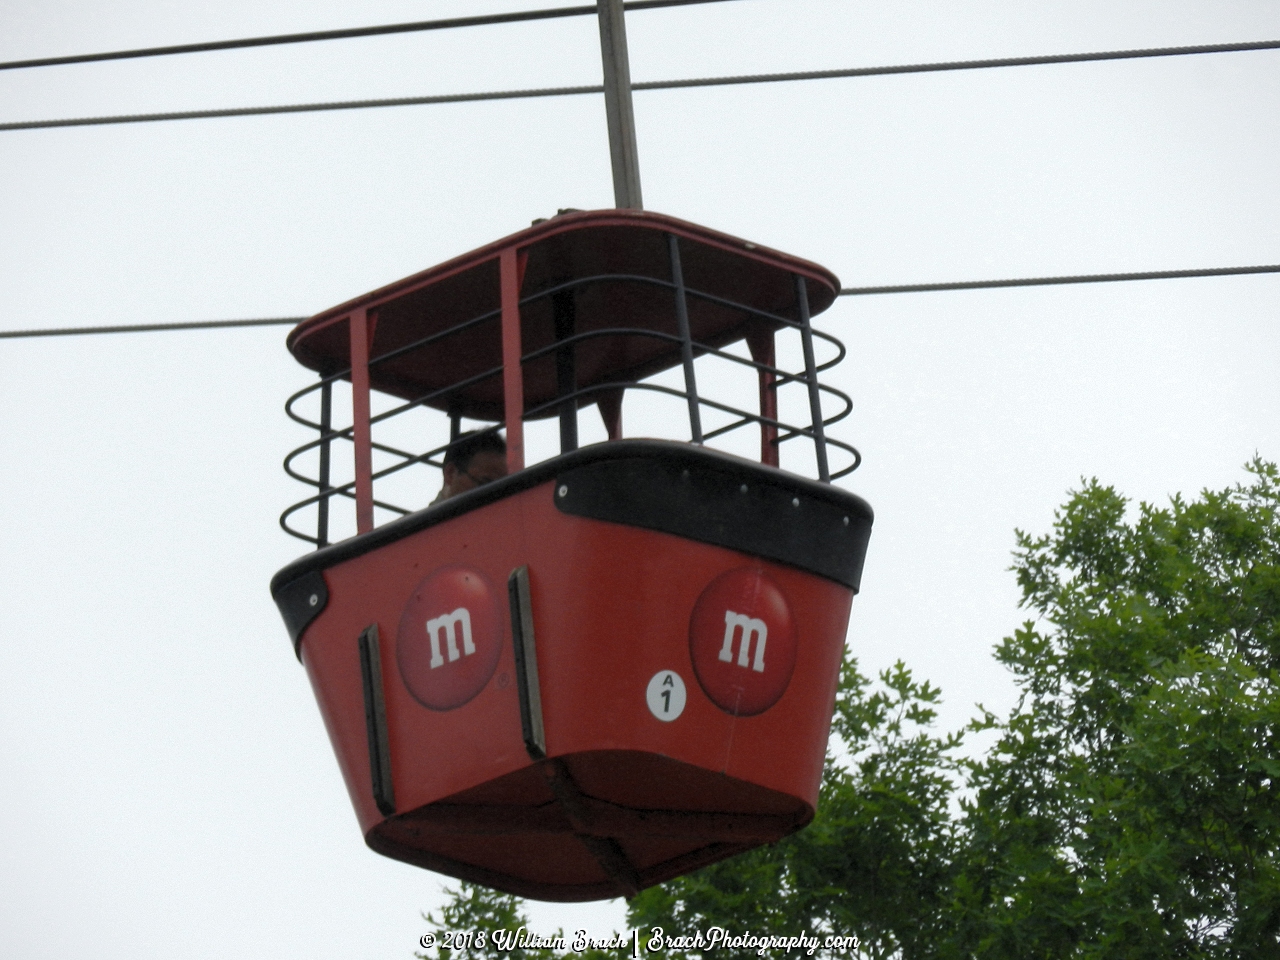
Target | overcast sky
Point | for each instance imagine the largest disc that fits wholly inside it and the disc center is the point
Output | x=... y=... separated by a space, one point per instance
x=166 y=786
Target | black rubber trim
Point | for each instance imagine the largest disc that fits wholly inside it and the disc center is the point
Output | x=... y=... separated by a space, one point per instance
x=294 y=599
x=375 y=721
x=769 y=515
x=535 y=738
x=715 y=470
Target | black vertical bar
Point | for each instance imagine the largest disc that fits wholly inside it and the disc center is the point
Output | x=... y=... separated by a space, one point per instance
x=455 y=426
x=566 y=369
x=326 y=425
x=375 y=721
x=811 y=375
x=530 y=694
x=686 y=339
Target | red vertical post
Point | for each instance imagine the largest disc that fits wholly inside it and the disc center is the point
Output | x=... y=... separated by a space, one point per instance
x=761 y=345
x=512 y=376
x=359 y=329
x=610 y=404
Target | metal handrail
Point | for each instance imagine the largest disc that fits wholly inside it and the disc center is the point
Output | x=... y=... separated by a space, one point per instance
x=785 y=431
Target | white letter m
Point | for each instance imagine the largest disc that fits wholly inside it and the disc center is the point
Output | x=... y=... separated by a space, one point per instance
x=448 y=626
x=751 y=628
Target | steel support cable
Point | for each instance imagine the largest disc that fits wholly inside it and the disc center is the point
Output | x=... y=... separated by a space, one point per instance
x=647 y=85
x=844 y=292
x=344 y=34
x=149 y=327
x=298 y=108
x=533 y=298
x=1048 y=281
x=792 y=432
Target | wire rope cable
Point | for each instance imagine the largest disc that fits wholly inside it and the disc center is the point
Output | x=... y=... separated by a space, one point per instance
x=343 y=34
x=952 y=65
x=300 y=108
x=1050 y=281
x=149 y=327
x=844 y=292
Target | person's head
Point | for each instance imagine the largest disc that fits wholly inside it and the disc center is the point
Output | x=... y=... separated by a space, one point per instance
x=473 y=460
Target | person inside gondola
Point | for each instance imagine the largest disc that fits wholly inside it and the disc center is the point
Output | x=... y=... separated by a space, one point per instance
x=474 y=459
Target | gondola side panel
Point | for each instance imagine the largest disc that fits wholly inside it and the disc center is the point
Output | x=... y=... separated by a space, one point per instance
x=434 y=752
x=614 y=603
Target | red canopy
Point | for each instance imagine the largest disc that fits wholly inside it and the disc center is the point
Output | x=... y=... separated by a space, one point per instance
x=616 y=266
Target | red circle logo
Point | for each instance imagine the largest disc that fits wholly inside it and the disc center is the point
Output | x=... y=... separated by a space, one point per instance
x=450 y=638
x=742 y=642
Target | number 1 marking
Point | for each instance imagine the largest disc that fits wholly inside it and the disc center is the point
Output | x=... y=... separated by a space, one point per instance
x=665 y=695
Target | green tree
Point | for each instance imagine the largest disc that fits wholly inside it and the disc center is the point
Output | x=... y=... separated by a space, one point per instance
x=1130 y=804
x=875 y=861
x=1129 y=807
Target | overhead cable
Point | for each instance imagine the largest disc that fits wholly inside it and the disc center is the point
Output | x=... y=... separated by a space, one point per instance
x=650 y=85
x=301 y=108
x=845 y=292
x=149 y=327
x=1049 y=281
x=346 y=34
x=947 y=65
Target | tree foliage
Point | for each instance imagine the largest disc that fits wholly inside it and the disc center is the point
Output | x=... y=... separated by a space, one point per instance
x=868 y=866
x=1129 y=806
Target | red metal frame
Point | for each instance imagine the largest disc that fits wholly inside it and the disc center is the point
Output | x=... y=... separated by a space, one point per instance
x=361 y=334
x=761 y=345
x=313 y=344
x=511 y=263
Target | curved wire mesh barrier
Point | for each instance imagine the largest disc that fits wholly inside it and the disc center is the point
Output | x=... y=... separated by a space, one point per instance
x=775 y=384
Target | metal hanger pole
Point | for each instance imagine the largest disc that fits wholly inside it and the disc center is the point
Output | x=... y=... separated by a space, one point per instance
x=617 y=105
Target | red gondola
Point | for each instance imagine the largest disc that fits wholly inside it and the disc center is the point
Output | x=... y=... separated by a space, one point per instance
x=614 y=666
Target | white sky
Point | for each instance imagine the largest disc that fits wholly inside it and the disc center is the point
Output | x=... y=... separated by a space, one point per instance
x=166 y=787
